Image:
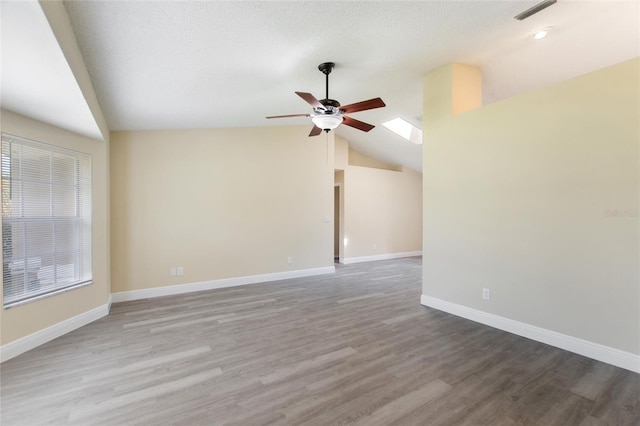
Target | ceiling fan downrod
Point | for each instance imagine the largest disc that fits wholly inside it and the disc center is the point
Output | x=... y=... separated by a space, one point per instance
x=326 y=68
x=331 y=105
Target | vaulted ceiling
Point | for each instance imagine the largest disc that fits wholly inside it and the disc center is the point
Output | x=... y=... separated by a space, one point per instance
x=158 y=65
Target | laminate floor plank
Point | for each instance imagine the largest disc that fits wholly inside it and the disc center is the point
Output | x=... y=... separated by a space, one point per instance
x=354 y=347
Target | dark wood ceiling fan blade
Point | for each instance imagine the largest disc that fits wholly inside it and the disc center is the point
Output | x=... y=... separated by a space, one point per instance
x=310 y=99
x=290 y=115
x=357 y=124
x=315 y=131
x=363 y=106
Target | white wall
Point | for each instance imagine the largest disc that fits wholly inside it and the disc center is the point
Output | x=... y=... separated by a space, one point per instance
x=517 y=198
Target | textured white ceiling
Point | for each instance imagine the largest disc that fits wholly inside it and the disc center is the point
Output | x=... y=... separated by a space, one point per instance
x=158 y=65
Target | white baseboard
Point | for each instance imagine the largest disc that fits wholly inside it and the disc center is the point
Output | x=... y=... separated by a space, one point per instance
x=586 y=348
x=26 y=343
x=387 y=256
x=124 y=296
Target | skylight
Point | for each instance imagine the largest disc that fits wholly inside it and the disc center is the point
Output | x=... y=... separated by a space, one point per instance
x=405 y=129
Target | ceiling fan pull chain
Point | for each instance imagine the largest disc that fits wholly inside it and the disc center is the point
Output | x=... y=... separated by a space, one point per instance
x=327 y=147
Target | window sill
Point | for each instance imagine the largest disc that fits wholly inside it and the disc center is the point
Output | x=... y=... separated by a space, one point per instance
x=45 y=295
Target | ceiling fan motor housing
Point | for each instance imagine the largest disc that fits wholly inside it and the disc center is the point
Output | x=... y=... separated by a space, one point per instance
x=331 y=106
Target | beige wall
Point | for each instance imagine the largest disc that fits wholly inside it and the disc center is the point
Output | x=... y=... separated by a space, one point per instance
x=23 y=320
x=20 y=321
x=341 y=153
x=61 y=26
x=382 y=211
x=221 y=203
x=381 y=205
x=356 y=158
x=516 y=199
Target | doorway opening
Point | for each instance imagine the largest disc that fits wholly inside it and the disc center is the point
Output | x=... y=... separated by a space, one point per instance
x=336 y=224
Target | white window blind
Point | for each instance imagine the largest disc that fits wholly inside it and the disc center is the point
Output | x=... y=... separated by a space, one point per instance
x=46 y=219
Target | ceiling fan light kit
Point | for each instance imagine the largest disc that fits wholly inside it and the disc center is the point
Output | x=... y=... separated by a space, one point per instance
x=328 y=113
x=326 y=122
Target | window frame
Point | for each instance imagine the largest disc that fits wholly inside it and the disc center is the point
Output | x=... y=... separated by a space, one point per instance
x=80 y=250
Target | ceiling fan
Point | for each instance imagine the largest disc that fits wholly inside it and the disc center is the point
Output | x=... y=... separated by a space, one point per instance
x=328 y=113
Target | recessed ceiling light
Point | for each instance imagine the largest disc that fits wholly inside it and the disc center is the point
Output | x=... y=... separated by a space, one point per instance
x=541 y=33
x=405 y=129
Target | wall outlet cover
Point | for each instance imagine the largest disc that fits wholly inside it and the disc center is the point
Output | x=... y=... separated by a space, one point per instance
x=486 y=294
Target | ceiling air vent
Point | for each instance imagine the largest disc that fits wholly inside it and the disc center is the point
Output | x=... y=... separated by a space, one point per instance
x=535 y=9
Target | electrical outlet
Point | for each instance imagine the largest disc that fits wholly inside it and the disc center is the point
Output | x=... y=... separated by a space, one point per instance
x=180 y=270
x=290 y=260
x=375 y=246
x=486 y=294
x=173 y=271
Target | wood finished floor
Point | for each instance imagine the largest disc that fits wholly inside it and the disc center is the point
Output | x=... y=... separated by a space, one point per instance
x=351 y=348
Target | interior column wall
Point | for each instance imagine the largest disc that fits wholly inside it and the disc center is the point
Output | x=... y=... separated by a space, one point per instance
x=536 y=198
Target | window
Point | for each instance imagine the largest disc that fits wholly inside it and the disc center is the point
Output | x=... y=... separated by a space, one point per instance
x=46 y=219
x=404 y=129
